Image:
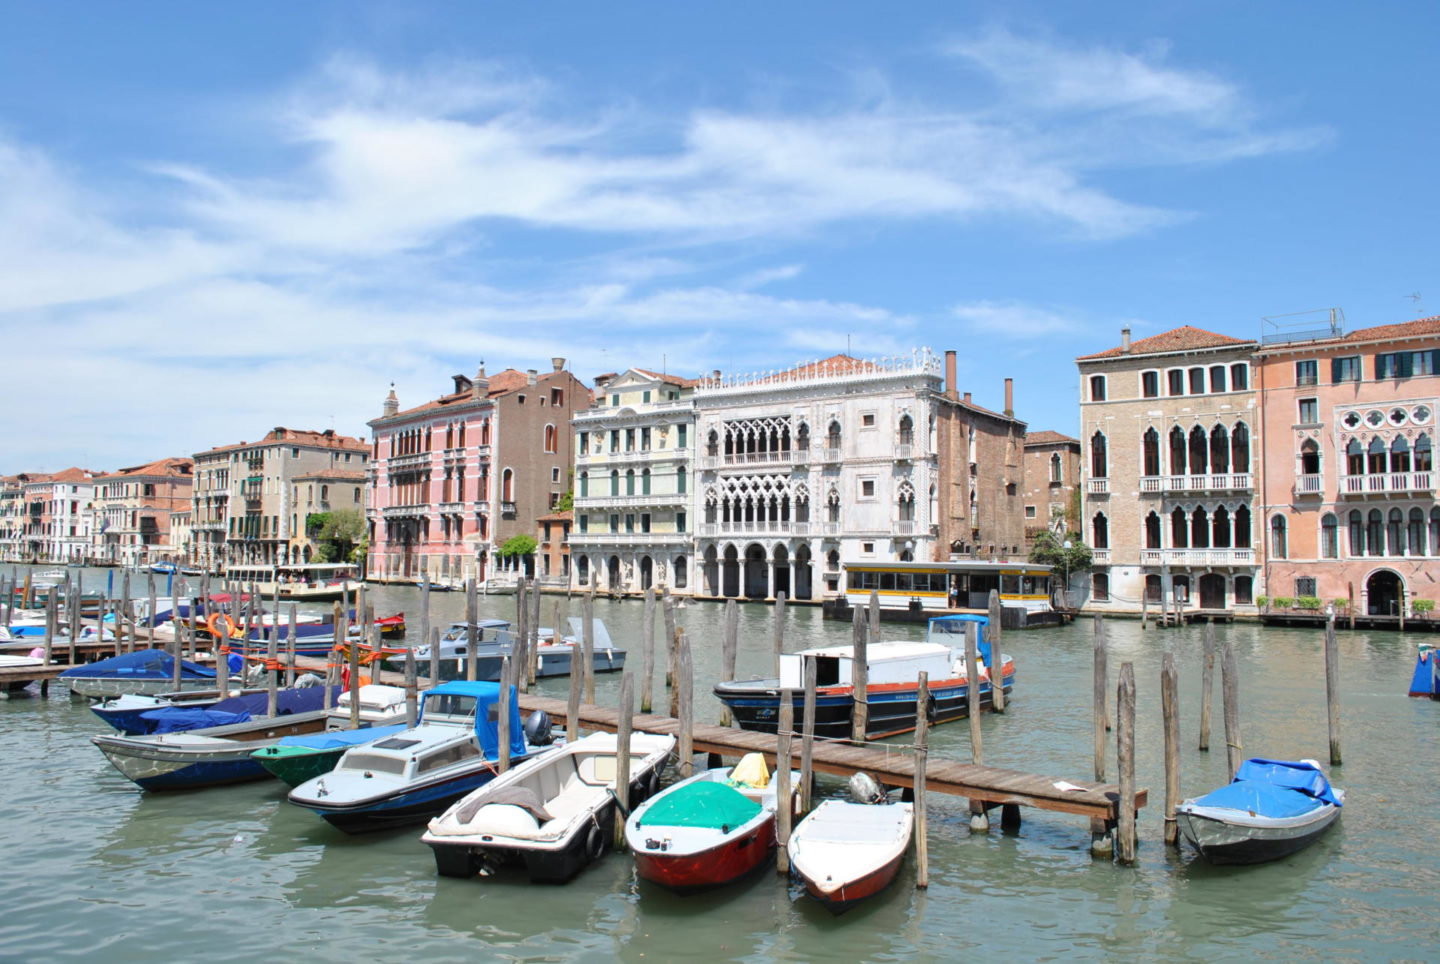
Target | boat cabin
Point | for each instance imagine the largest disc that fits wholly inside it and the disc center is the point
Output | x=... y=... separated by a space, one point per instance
x=458 y=721
x=898 y=662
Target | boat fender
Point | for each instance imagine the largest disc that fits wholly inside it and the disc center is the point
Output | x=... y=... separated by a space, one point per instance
x=595 y=842
x=652 y=784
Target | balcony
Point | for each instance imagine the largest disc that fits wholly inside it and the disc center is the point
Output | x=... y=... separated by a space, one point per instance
x=585 y=539
x=756 y=528
x=1100 y=557
x=904 y=452
x=405 y=511
x=507 y=510
x=1197 y=557
x=669 y=499
x=1216 y=482
x=1386 y=483
x=831 y=453
x=451 y=508
x=731 y=459
x=905 y=527
x=1098 y=486
x=1307 y=485
x=397 y=463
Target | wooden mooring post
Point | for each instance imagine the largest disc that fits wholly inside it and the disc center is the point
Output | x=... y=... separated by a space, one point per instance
x=624 y=723
x=783 y=805
x=572 y=707
x=729 y=644
x=1332 y=686
x=979 y=819
x=434 y=655
x=412 y=689
x=1230 y=688
x=587 y=649
x=1207 y=685
x=1125 y=762
x=508 y=669
x=667 y=606
x=779 y=625
x=922 y=760
x=685 y=690
x=859 y=678
x=425 y=617
x=1101 y=704
x=472 y=638
x=994 y=633
x=1170 y=710
x=647 y=652
x=807 y=738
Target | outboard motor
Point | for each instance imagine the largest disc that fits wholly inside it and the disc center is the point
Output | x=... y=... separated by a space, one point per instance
x=864 y=789
x=537 y=729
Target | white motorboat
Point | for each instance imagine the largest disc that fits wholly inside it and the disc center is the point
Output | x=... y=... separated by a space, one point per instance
x=844 y=852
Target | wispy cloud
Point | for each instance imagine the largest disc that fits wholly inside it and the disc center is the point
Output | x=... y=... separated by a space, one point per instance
x=1017 y=321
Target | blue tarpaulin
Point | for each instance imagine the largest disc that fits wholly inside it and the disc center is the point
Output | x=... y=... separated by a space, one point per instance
x=142 y=664
x=1273 y=788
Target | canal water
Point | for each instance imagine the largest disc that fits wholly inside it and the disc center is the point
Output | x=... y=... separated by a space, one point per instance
x=98 y=869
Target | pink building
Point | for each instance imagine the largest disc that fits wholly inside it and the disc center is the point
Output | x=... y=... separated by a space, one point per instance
x=1348 y=483
x=451 y=480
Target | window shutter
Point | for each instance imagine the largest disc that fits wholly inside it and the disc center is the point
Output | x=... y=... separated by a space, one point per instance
x=1335 y=371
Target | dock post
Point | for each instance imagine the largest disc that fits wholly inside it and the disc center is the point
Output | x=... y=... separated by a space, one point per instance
x=1170 y=710
x=1125 y=761
x=587 y=651
x=508 y=669
x=685 y=688
x=779 y=635
x=472 y=639
x=1332 y=686
x=222 y=668
x=624 y=722
x=122 y=615
x=1101 y=701
x=979 y=818
x=994 y=633
x=1145 y=610
x=807 y=738
x=290 y=649
x=332 y=665
x=874 y=616
x=572 y=706
x=784 y=807
x=730 y=642
x=647 y=651
x=354 y=674
x=667 y=606
x=412 y=689
x=72 y=596
x=859 y=677
x=1207 y=685
x=272 y=683
x=521 y=638
x=51 y=618
x=532 y=645
x=425 y=618
x=1230 y=687
x=922 y=759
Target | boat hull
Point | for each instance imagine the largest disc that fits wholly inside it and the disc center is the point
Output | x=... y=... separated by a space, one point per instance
x=722 y=864
x=1237 y=841
x=106 y=687
x=154 y=763
x=849 y=893
x=300 y=764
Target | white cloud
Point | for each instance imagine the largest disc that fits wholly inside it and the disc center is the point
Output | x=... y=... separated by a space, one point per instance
x=1016 y=320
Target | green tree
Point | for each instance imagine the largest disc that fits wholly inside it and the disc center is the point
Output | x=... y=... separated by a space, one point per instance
x=565 y=503
x=521 y=545
x=336 y=533
x=1067 y=556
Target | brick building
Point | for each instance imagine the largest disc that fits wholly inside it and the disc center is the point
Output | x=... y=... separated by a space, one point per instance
x=133 y=507
x=1052 y=484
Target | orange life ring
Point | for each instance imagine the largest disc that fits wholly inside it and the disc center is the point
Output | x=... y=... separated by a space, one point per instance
x=232 y=630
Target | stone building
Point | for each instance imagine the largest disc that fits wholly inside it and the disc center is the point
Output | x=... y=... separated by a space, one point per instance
x=1350 y=514
x=634 y=472
x=552 y=552
x=1170 y=429
x=1052 y=485
x=57 y=520
x=322 y=491
x=134 y=506
x=12 y=517
x=243 y=502
x=453 y=479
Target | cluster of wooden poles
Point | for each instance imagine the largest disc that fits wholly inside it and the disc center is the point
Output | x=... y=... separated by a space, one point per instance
x=1170 y=711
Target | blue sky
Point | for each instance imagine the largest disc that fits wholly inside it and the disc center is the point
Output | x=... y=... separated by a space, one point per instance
x=218 y=218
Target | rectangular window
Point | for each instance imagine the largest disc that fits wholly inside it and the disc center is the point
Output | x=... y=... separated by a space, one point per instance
x=1426 y=362
x=1307 y=372
x=584 y=523
x=644 y=522
x=679 y=522
x=1345 y=369
x=555 y=473
x=1305 y=586
x=645 y=397
x=1309 y=411
x=867 y=488
x=867 y=420
x=868 y=548
x=1391 y=364
x=614 y=522
x=1217 y=378
x=1097 y=388
x=645 y=440
x=1239 y=377
x=1176 y=379
x=1197 y=381
x=629 y=522
x=557 y=397
x=1029 y=512
x=1150 y=384
x=584 y=443
x=680 y=436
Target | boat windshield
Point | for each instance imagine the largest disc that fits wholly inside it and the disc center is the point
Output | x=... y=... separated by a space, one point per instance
x=376 y=762
x=449 y=705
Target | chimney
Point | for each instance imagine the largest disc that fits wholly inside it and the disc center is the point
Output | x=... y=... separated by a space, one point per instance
x=531 y=376
x=1125 y=340
x=1010 y=397
x=967 y=398
x=950 y=375
x=279 y=431
x=558 y=364
x=480 y=387
x=462 y=383
x=392 y=404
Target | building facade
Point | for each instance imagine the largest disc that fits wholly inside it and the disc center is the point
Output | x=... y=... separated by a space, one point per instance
x=133 y=507
x=634 y=491
x=1350 y=513
x=1170 y=433
x=242 y=505
x=455 y=478
x=56 y=515
x=552 y=553
x=1052 y=485
x=322 y=491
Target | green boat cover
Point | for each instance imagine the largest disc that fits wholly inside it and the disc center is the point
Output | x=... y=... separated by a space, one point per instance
x=702 y=804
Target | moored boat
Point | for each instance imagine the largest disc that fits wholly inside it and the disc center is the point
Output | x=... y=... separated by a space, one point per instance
x=494 y=641
x=418 y=773
x=1271 y=809
x=296 y=759
x=1426 y=680
x=143 y=671
x=845 y=852
x=709 y=830
x=893 y=685
x=553 y=813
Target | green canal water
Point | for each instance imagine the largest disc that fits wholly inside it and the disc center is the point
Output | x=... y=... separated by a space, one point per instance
x=97 y=869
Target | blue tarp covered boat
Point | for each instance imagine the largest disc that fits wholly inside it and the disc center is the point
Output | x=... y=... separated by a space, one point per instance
x=1271 y=809
x=143 y=671
x=1426 y=681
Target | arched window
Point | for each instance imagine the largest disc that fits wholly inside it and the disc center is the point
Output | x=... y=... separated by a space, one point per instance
x=1055 y=468
x=1279 y=548
x=324 y=493
x=1219 y=449
x=1199 y=529
x=1198 y=461
x=1375 y=533
x=832 y=436
x=1152 y=531
x=1150 y=452
x=1354 y=458
x=1417 y=532
x=1240 y=448
x=712 y=443
x=682 y=573
x=584 y=485
x=1395 y=533
x=629 y=481
x=906 y=502
x=1376 y=460
x=1177 y=451
x=614 y=481
x=1099 y=460
x=1422 y=454
x=582 y=569
x=1400 y=455
x=550 y=436
x=1179 y=529
x=645 y=482
x=1309 y=458
x=1435 y=531
x=832 y=506
x=1100 y=528
x=802 y=438
x=1357 y=533
x=1220 y=529
x=485 y=432
x=906 y=434
x=1329 y=537
x=507 y=485
x=680 y=480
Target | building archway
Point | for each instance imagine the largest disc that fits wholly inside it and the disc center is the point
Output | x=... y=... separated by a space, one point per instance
x=804 y=584
x=730 y=583
x=1212 y=591
x=755 y=575
x=781 y=581
x=647 y=573
x=1384 y=591
x=613 y=574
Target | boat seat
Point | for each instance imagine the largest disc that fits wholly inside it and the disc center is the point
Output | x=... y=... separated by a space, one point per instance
x=597 y=769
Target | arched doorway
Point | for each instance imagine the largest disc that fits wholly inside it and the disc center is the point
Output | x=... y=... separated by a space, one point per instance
x=1212 y=591
x=647 y=572
x=613 y=567
x=711 y=572
x=781 y=581
x=730 y=583
x=755 y=574
x=804 y=587
x=1383 y=591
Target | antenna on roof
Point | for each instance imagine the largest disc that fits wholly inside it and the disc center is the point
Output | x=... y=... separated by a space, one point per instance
x=1274 y=329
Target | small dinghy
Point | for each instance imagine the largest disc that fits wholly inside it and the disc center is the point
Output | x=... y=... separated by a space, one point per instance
x=709 y=830
x=844 y=852
x=1270 y=810
x=554 y=813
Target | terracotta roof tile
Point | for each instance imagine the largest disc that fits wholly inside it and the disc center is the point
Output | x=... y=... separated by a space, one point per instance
x=567 y=516
x=1184 y=338
x=672 y=379
x=1048 y=437
x=294 y=436
x=1405 y=329
x=341 y=475
x=161 y=467
x=501 y=383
